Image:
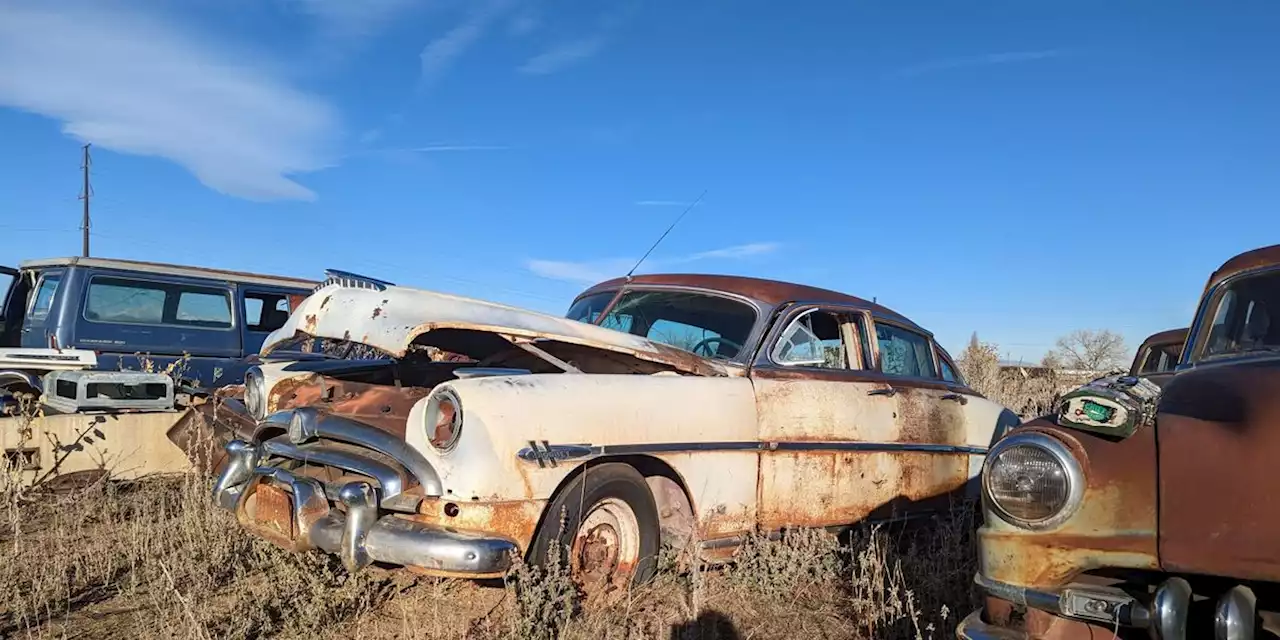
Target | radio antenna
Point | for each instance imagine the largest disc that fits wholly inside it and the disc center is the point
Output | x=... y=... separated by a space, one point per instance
x=664 y=234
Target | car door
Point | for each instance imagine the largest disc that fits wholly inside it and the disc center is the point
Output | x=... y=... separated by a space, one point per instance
x=42 y=312
x=10 y=309
x=823 y=418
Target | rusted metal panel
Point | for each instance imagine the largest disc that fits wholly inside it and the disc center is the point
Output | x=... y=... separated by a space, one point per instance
x=1261 y=257
x=383 y=406
x=393 y=319
x=502 y=416
x=1115 y=525
x=515 y=520
x=1218 y=444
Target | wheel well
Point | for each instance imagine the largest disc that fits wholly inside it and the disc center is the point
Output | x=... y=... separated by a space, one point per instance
x=676 y=516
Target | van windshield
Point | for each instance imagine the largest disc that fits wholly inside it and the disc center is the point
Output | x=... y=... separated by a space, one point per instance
x=707 y=325
x=1247 y=317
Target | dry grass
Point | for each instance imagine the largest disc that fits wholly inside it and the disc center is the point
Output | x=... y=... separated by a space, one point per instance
x=155 y=559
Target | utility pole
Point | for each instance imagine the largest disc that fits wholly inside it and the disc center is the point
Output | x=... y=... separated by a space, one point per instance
x=84 y=224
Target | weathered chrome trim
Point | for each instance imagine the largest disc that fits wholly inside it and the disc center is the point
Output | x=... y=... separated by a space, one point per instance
x=543 y=453
x=1124 y=610
x=1169 y=609
x=1064 y=456
x=390 y=481
x=352 y=280
x=973 y=628
x=486 y=372
x=242 y=459
x=1235 y=617
x=312 y=424
x=361 y=538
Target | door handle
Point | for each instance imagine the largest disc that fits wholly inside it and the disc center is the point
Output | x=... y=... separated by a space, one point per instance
x=886 y=391
x=956 y=397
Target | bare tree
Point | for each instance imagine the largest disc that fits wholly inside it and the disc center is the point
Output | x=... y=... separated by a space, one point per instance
x=1089 y=350
x=979 y=364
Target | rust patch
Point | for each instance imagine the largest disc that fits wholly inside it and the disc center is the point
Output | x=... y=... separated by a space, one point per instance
x=309 y=323
x=514 y=520
x=324 y=303
x=268 y=514
x=377 y=311
x=1115 y=525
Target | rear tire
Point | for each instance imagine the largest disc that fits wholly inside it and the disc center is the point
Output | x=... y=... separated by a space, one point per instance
x=610 y=535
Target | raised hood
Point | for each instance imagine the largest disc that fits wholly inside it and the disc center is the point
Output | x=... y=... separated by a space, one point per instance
x=392 y=318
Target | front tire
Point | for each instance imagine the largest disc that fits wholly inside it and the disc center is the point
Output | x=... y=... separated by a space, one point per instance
x=605 y=524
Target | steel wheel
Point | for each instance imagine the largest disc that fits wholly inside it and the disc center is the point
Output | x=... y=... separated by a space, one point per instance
x=606 y=547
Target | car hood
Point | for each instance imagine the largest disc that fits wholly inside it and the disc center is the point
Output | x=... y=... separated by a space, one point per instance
x=394 y=318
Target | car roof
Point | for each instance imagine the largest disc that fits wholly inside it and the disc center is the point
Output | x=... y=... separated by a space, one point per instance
x=1260 y=257
x=171 y=270
x=770 y=292
x=1168 y=336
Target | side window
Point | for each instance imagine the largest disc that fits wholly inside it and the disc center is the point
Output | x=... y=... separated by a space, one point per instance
x=904 y=353
x=949 y=373
x=43 y=302
x=129 y=301
x=265 y=311
x=815 y=339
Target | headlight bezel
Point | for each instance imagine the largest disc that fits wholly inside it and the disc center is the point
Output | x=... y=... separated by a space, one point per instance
x=1062 y=454
x=432 y=415
x=255 y=393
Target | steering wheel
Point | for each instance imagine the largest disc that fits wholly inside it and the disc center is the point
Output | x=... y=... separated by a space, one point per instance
x=711 y=353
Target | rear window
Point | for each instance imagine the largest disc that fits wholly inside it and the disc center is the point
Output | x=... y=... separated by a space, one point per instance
x=904 y=353
x=130 y=301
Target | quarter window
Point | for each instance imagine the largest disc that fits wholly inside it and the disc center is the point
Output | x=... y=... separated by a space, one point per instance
x=948 y=373
x=44 y=295
x=814 y=339
x=128 y=301
x=904 y=353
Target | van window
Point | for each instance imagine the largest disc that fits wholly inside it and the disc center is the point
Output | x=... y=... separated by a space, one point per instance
x=265 y=311
x=129 y=301
x=44 y=295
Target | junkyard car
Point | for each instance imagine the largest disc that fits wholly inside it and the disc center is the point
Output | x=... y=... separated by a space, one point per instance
x=1150 y=515
x=1158 y=355
x=680 y=409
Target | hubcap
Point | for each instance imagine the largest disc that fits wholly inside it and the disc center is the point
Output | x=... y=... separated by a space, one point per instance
x=606 y=547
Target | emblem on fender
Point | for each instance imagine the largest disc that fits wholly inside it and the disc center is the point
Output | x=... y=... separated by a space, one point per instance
x=546 y=454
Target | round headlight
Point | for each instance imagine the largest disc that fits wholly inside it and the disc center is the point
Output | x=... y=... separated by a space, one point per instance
x=1033 y=480
x=255 y=395
x=443 y=419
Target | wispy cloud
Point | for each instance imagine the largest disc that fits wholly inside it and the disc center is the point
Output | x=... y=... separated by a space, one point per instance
x=597 y=270
x=662 y=203
x=133 y=84
x=563 y=55
x=354 y=18
x=524 y=23
x=440 y=54
x=984 y=60
x=440 y=148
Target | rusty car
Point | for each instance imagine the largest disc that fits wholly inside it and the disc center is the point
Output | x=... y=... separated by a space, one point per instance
x=682 y=410
x=1158 y=355
x=1141 y=511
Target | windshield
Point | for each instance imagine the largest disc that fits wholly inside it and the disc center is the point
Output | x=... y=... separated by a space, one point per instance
x=707 y=325
x=1247 y=317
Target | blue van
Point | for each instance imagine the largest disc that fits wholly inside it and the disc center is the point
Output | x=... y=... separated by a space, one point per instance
x=130 y=315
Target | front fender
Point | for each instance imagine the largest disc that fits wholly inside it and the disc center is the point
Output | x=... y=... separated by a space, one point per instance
x=502 y=415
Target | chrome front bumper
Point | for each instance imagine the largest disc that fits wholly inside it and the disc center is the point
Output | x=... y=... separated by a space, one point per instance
x=973 y=628
x=303 y=517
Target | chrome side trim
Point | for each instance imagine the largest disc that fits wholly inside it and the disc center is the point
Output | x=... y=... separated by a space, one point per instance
x=307 y=424
x=973 y=628
x=544 y=453
x=390 y=482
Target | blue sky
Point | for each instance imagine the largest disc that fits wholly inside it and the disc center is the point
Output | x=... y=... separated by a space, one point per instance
x=1012 y=168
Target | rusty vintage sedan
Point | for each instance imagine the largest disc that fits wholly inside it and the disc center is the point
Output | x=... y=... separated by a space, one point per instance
x=1144 y=512
x=1158 y=355
x=689 y=410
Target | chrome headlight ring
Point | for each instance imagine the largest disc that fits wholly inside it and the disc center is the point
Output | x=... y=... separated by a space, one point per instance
x=442 y=420
x=255 y=393
x=1060 y=454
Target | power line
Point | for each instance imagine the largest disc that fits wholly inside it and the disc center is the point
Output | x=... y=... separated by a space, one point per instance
x=84 y=195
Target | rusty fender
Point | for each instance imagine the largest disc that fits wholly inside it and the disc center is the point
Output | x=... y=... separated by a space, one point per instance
x=642 y=415
x=204 y=430
x=1115 y=525
x=515 y=520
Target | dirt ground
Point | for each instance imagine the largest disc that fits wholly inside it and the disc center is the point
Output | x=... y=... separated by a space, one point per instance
x=154 y=559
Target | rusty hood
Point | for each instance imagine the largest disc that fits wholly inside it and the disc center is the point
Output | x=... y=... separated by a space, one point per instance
x=394 y=318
